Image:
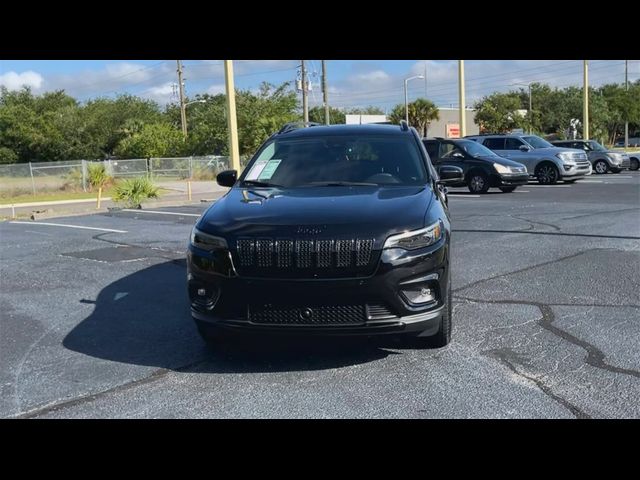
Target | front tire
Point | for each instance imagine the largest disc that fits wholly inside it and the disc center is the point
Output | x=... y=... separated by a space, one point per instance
x=634 y=164
x=443 y=336
x=547 y=174
x=478 y=183
x=507 y=189
x=601 y=167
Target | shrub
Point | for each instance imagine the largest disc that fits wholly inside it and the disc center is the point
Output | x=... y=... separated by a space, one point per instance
x=7 y=155
x=133 y=191
x=98 y=176
x=72 y=180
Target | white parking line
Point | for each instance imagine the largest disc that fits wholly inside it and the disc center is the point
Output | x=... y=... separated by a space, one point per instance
x=70 y=226
x=549 y=186
x=591 y=181
x=521 y=191
x=462 y=196
x=162 y=213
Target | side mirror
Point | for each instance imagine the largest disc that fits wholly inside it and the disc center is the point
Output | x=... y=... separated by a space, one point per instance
x=457 y=155
x=227 y=178
x=523 y=148
x=450 y=175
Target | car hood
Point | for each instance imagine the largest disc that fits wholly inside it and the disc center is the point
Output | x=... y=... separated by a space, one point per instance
x=501 y=160
x=318 y=211
x=556 y=150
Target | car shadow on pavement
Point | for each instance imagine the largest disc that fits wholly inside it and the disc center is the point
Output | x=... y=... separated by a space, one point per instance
x=144 y=319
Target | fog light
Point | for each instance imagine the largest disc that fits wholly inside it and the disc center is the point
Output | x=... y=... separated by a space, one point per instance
x=202 y=292
x=419 y=295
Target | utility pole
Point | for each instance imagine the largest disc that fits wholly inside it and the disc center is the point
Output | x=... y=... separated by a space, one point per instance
x=626 y=120
x=585 y=102
x=183 y=110
x=305 y=104
x=530 y=113
x=232 y=123
x=325 y=94
x=425 y=79
x=463 y=112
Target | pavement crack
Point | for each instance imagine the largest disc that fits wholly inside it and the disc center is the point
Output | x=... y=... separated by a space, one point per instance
x=533 y=223
x=506 y=355
x=525 y=269
x=595 y=357
x=57 y=406
x=562 y=234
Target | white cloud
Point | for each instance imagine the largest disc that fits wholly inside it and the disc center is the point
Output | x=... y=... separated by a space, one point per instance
x=162 y=93
x=133 y=72
x=15 y=81
x=216 y=89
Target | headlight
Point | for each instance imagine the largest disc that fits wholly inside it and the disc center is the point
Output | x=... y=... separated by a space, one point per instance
x=205 y=241
x=416 y=238
x=566 y=157
x=501 y=168
x=615 y=157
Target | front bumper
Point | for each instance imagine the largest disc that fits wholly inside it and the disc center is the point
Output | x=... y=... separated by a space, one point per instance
x=229 y=297
x=576 y=171
x=509 y=180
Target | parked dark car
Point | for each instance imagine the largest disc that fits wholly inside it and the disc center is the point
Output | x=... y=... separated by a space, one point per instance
x=482 y=168
x=601 y=159
x=337 y=230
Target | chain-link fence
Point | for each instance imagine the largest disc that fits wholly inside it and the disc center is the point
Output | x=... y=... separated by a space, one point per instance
x=49 y=177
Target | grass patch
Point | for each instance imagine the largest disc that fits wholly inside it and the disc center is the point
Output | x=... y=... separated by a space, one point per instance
x=52 y=196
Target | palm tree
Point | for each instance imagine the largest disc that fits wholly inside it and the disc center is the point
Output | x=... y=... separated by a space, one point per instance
x=421 y=113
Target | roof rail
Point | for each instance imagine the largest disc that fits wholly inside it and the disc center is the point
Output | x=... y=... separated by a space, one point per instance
x=296 y=125
x=404 y=126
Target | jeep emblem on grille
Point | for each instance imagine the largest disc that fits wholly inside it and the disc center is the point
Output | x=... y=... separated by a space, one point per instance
x=310 y=230
x=306 y=313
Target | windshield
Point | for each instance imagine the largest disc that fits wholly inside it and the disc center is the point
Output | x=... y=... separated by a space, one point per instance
x=537 y=142
x=595 y=146
x=475 y=149
x=339 y=160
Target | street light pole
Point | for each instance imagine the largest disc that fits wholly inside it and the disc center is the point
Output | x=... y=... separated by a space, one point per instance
x=183 y=113
x=463 y=109
x=406 y=96
x=585 y=105
x=626 y=120
x=232 y=123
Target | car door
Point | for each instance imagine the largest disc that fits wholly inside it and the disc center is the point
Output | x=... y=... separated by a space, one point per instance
x=445 y=154
x=512 y=152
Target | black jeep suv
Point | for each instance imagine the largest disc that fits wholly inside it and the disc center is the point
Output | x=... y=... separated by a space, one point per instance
x=335 y=230
x=482 y=168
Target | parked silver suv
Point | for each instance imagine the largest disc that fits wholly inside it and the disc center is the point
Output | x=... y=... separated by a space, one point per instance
x=603 y=160
x=543 y=161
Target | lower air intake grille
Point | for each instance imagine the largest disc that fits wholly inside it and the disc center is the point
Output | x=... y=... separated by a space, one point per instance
x=323 y=315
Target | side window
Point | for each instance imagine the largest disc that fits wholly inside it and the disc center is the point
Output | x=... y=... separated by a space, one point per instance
x=513 y=144
x=445 y=149
x=494 y=143
x=432 y=150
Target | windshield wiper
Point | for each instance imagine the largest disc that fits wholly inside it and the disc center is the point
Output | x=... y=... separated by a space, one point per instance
x=258 y=183
x=342 y=184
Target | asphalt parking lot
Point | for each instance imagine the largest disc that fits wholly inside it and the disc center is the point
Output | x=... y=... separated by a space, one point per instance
x=95 y=321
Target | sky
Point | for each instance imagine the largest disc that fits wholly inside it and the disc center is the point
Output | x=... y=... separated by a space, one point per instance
x=351 y=83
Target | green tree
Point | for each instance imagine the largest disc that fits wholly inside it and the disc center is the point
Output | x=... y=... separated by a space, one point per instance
x=154 y=140
x=498 y=113
x=336 y=116
x=421 y=113
x=370 y=110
